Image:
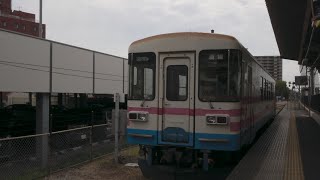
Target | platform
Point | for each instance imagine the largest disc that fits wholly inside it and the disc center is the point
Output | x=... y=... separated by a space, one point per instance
x=288 y=149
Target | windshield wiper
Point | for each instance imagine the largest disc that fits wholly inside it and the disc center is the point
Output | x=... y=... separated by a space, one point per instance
x=143 y=101
x=210 y=104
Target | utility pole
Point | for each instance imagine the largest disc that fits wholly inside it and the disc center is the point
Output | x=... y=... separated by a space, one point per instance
x=40 y=18
x=116 y=131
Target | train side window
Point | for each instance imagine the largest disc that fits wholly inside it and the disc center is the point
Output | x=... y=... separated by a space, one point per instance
x=265 y=89
x=261 y=89
x=268 y=91
x=271 y=91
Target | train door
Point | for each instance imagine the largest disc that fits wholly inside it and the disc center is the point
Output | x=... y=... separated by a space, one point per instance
x=177 y=82
x=250 y=104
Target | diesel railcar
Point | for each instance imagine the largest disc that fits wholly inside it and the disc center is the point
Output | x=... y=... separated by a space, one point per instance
x=194 y=95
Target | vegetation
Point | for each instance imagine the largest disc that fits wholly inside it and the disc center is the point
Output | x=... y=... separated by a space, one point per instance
x=282 y=89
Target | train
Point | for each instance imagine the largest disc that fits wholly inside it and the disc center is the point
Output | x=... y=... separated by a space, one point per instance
x=193 y=96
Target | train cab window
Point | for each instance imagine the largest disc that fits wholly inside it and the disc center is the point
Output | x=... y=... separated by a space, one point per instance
x=142 y=76
x=219 y=75
x=177 y=83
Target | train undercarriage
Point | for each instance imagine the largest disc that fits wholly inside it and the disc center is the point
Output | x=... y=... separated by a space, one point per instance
x=172 y=159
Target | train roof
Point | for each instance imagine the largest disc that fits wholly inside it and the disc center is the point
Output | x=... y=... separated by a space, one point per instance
x=189 y=41
x=186 y=35
x=184 y=41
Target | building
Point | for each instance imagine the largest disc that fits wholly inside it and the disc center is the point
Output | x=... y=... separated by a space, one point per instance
x=19 y=21
x=273 y=64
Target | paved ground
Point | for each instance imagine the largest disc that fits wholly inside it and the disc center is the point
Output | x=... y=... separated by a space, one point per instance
x=266 y=158
x=289 y=149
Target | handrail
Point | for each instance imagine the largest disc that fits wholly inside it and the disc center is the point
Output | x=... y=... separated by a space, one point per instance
x=22 y=137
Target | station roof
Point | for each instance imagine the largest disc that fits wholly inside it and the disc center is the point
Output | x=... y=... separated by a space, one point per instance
x=292 y=24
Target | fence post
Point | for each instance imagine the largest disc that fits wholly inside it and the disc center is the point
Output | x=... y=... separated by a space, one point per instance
x=1 y=100
x=116 y=131
x=50 y=125
x=49 y=143
x=42 y=127
x=91 y=134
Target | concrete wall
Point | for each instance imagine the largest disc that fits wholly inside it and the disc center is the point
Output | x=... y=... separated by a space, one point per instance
x=24 y=63
x=29 y=64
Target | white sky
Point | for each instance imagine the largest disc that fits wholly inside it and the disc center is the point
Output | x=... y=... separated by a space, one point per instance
x=111 y=25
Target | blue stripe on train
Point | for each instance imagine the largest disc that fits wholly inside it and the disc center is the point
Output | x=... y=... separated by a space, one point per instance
x=133 y=139
x=220 y=142
x=228 y=142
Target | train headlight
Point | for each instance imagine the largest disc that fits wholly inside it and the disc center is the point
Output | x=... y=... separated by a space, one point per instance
x=143 y=116
x=217 y=119
x=138 y=116
x=211 y=120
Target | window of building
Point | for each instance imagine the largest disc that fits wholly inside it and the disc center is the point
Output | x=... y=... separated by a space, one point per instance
x=4 y=24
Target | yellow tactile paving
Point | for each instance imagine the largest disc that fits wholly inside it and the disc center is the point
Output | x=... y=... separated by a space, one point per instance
x=293 y=165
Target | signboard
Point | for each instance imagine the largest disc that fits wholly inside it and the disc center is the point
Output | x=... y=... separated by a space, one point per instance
x=301 y=80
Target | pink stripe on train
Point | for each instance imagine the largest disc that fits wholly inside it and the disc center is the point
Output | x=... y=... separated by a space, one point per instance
x=186 y=111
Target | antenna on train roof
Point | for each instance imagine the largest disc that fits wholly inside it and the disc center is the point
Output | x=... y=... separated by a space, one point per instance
x=212 y=31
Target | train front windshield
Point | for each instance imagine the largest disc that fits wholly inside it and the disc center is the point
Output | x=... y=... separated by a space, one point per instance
x=219 y=75
x=142 y=69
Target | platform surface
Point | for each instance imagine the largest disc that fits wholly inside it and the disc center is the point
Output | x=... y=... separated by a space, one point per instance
x=288 y=149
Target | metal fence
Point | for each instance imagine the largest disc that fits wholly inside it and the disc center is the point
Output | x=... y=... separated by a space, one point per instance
x=34 y=156
x=314 y=103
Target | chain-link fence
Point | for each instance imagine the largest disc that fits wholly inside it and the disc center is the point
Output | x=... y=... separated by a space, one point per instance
x=29 y=157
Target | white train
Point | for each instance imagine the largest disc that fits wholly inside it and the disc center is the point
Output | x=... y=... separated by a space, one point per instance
x=195 y=95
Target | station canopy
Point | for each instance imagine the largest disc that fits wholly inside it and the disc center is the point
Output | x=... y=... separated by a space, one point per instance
x=296 y=36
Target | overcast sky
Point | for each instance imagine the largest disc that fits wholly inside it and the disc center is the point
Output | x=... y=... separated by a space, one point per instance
x=110 y=26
